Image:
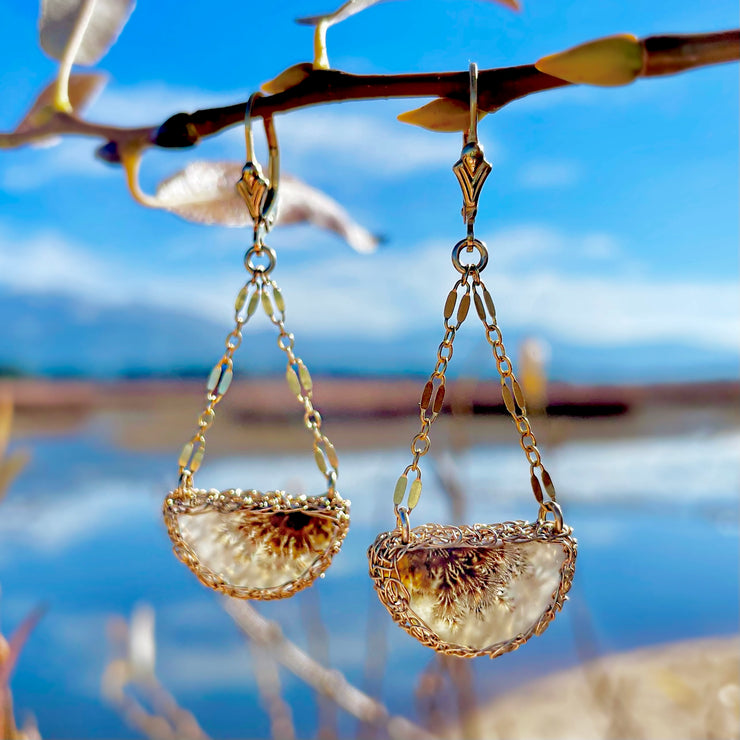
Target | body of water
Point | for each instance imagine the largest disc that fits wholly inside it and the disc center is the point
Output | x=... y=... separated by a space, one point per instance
x=81 y=533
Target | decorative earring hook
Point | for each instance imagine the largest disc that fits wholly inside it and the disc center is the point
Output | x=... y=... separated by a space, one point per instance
x=471 y=169
x=260 y=192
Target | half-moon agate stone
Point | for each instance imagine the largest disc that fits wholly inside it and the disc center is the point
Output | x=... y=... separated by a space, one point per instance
x=247 y=542
x=479 y=590
x=478 y=596
x=258 y=550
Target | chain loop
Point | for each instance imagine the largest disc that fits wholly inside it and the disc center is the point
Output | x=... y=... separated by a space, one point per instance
x=432 y=397
x=259 y=250
x=260 y=196
x=469 y=243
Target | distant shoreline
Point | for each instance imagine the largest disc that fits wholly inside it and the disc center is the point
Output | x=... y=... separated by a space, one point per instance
x=260 y=414
x=346 y=396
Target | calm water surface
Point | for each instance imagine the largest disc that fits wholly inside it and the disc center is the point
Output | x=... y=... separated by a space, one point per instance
x=81 y=533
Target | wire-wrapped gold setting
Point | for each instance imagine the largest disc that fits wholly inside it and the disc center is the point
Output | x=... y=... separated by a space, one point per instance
x=332 y=509
x=389 y=548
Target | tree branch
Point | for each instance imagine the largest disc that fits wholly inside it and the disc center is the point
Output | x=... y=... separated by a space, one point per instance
x=496 y=87
x=666 y=54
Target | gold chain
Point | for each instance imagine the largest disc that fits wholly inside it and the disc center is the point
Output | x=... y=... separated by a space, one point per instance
x=218 y=383
x=432 y=397
x=511 y=391
x=259 y=289
x=300 y=383
x=259 y=194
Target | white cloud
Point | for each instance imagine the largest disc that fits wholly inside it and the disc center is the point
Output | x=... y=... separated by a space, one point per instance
x=70 y=157
x=150 y=103
x=373 y=144
x=550 y=173
x=514 y=246
x=46 y=262
x=354 y=291
x=51 y=525
x=691 y=468
x=603 y=309
x=351 y=293
x=599 y=247
x=616 y=310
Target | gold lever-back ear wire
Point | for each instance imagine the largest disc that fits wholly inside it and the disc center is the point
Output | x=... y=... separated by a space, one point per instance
x=273 y=171
x=260 y=192
x=250 y=544
x=472 y=132
x=486 y=589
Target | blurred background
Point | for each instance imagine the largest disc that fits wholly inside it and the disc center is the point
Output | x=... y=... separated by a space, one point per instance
x=611 y=220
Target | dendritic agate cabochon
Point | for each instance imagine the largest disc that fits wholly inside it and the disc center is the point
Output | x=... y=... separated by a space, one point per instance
x=483 y=589
x=254 y=545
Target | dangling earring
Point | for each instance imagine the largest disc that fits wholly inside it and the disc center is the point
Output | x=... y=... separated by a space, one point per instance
x=483 y=589
x=249 y=544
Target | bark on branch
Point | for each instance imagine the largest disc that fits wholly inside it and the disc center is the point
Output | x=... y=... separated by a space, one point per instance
x=496 y=87
x=665 y=54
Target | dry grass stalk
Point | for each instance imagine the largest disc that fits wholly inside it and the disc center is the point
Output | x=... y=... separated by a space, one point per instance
x=267 y=673
x=131 y=688
x=330 y=683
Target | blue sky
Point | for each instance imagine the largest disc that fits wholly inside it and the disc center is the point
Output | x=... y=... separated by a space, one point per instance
x=611 y=214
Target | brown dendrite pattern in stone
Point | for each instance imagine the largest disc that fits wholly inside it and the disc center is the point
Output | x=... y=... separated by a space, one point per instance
x=474 y=590
x=254 y=545
x=463 y=581
x=291 y=534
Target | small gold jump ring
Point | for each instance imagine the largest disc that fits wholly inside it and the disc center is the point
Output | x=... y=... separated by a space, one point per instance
x=467 y=244
x=404 y=523
x=256 y=269
x=551 y=507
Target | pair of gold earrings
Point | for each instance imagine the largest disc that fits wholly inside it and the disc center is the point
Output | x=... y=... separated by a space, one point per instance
x=462 y=590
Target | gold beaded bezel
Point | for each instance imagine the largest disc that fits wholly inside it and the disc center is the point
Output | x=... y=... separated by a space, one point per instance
x=389 y=547
x=195 y=501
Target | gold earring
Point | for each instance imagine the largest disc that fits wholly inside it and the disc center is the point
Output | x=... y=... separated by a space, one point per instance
x=245 y=543
x=483 y=589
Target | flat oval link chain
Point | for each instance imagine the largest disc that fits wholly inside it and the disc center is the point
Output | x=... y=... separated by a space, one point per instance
x=259 y=289
x=433 y=394
x=511 y=392
x=218 y=383
x=432 y=397
x=300 y=383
